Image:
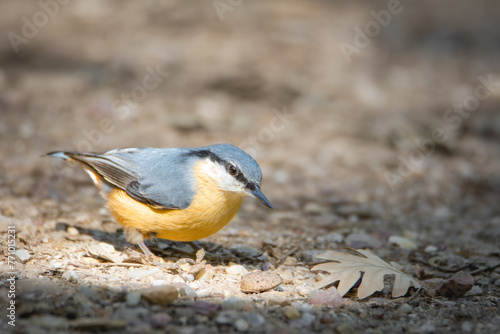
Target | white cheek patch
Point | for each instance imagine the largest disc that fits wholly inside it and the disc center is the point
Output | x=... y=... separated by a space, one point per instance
x=221 y=177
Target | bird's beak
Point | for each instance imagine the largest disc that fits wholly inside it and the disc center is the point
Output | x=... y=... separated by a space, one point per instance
x=259 y=196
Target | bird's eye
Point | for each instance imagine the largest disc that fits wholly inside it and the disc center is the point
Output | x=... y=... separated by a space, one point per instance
x=232 y=170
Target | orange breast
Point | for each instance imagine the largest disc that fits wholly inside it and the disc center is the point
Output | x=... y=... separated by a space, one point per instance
x=210 y=210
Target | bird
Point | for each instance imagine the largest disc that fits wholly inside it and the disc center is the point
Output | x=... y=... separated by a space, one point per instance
x=179 y=194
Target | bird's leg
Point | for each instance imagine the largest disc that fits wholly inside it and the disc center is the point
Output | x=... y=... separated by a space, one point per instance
x=134 y=236
x=144 y=248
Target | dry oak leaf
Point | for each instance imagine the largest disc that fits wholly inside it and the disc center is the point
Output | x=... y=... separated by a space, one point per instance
x=348 y=268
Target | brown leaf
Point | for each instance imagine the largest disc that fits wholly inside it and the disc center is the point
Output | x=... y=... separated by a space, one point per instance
x=455 y=286
x=348 y=268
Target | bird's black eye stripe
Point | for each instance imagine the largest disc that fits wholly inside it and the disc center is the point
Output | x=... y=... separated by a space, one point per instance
x=241 y=178
x=229 y=166
x=236 y=173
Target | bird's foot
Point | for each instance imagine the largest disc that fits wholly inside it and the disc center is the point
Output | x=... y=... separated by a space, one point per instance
x=148 y=257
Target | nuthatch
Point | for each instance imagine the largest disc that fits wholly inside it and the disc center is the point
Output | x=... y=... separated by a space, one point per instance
x=181 y=194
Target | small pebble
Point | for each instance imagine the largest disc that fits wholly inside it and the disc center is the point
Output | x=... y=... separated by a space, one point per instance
x=236 y=270
x=204 y=275
x=344 y=328
x=140 y=273
x=162 y=295
x=133 y=315
x=291 y=312
x=227 y=317
x=309 y=256
x=281 y=301
x=187 y=291
x=442 y=213
x=362 y=240
x=290 y=261
x=326 y=318
x=196 y=285
x=205 y=292
x=111 y=278
x=260 y=281
x=158 y=282
x=255 y=319
x=55 y=323
x=104 y=245
x=241 y=325
x=305 y=321
x=71 y=230
x=430 y=249
x=232 y=303
x=91 y=293
x=61 y=226
x=402 y=242
x=133 y=298
x=178 y=279
x=185 y=266
x=332 y=238
x=302 y=307
x=329 y=298
x=56 y=264
x=187 y=278
x=287 y=276
x=205 y=308
x=246 y=251
x=226 y=293
x=455 y=286
x=428 y=328
x=468 y=327
x=71 y=276
x=405 y=309
x=475 y=291
x=22 y=255
x=304 y=290
x=266 y=266
x=159 y=320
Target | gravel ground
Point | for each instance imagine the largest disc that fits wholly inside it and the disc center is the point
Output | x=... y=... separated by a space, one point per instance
x=370 y=120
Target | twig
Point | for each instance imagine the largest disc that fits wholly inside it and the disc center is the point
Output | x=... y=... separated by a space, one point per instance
x=491 y=268
x=290 y=253
x=415 y=295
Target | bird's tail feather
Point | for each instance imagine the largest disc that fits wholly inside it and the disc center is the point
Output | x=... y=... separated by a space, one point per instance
x=58 y=154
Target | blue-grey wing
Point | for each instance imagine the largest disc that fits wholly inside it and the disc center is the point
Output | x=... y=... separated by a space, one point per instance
x=161 y=178
x=165 y=178
x=113 y=171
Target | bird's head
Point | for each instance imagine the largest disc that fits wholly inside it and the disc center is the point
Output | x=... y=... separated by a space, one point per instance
x=233 y=170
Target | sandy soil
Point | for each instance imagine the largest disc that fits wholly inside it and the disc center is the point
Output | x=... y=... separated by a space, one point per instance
x=363 y=130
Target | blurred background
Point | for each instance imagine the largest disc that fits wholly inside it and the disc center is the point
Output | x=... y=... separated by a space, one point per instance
x=340 y=102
